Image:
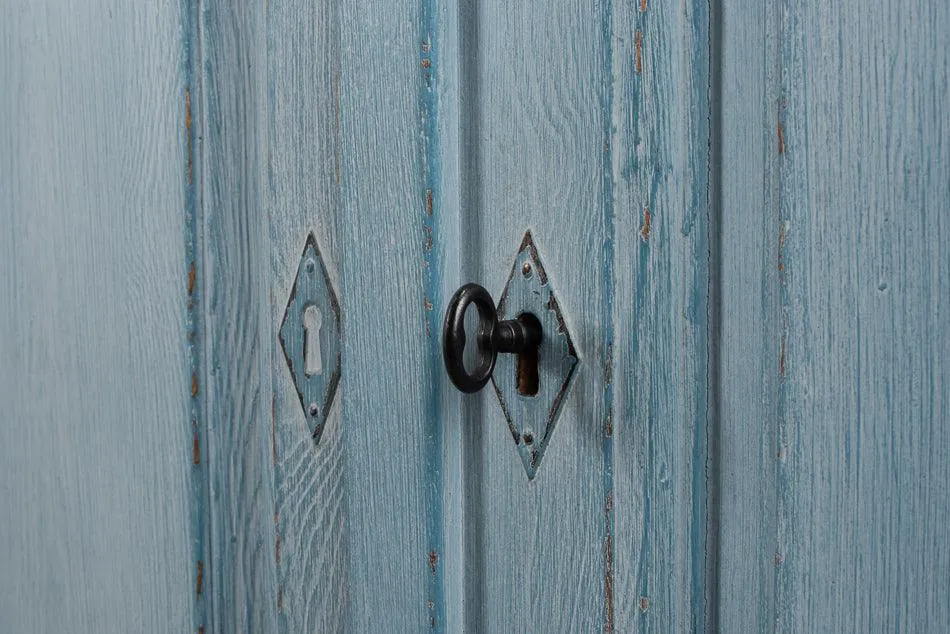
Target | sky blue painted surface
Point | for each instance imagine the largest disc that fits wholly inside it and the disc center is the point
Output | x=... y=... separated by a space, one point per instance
x=835 y=251
x=742 y=212
x=97 y=450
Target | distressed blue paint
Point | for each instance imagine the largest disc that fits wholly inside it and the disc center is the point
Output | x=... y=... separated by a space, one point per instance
x=535 y=129
x=434 y=263
x=312 y=287
x=536 y=415
x=834 y=342
x=608 y=280
x=661 y=379
x=240 y=334
x=393 y=505
x=200 y=507
x=700 y=215
x=298 y=54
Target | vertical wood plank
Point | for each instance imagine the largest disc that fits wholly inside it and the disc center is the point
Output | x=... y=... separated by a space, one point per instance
x=584 y=119
x=391 y=432
x=660 y=148
x=302 y=171
x=96 y=446
x=273 y=171
x=292 y=121
x=851 y=327
x=237 y=319
x=749 y=318
x=533 y=158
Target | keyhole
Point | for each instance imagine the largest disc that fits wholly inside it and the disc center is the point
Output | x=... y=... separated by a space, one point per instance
x=312 y=320
x=526 y=366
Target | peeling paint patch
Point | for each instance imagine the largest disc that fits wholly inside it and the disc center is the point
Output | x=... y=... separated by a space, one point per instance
x=196 y=449
x=199 y=582
x=609 y=584
x=194 y=385
x=781 y=138
x=783 y=232
x=781 y=360
x=643 y=6
x=644 y=603
x=645 y=228
x=273 y=429
x=336 y=125
x=638 y=51
x=192 y=275
x=433 y=560
x=188 y=133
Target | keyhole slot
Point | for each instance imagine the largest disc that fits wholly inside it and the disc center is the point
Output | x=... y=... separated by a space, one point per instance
x=526 y=365
x=312 y=321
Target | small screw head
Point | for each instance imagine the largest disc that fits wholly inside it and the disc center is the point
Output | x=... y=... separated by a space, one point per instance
x=314 y=410
x=526 y=269
x=528 y=438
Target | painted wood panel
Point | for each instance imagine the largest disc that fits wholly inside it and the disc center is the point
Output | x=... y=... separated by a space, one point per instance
x=835 y=452
x=238 y=324
x=533 y=99
x=96 y=456
x=272 y=172
x=392 y=432
x=659 y=166
x=302 y=171
x=303 y=135
x=578 y=120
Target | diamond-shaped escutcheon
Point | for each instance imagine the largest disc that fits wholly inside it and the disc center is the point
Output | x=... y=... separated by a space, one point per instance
x=532 y=389
x=310 y=338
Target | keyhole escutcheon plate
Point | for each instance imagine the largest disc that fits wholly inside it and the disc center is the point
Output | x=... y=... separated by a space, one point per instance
x=532 y=387
x=310 y=338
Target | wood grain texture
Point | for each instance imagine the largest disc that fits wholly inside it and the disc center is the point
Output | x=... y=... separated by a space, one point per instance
x=393 y=495
x=96 y=445
x=835 y=338
x=660 y=162
x=532 y=89
x=237 y=319
x=588 y=125
x=302 y=168
x=272 y=177
x=304 y=136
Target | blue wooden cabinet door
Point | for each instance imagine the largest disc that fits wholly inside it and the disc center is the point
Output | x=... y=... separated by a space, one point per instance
x=230 y=234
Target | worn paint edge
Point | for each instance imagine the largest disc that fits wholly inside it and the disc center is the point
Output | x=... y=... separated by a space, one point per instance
x=701 y=531
x=708 y=585
x=608 y=185
x=196 y=434
x=433 y=260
